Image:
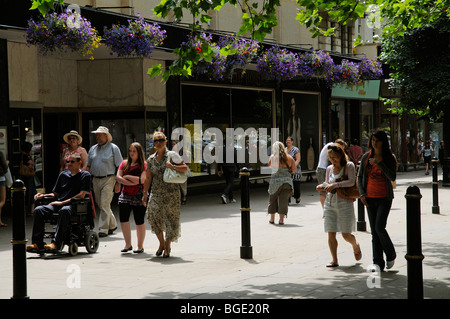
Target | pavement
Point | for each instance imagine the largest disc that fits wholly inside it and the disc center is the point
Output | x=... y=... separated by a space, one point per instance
x=288 y=261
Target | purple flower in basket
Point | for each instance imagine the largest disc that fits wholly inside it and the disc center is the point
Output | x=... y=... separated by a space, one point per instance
x=138 y=38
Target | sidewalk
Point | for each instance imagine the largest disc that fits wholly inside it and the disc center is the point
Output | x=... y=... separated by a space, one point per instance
x=288 y=261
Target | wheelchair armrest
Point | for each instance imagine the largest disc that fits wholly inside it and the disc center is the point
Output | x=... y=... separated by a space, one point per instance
x=80 y=200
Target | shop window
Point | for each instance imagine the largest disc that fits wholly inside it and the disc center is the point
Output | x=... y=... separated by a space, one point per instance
x=124 y=131
x=366 y=123
x=207 y=112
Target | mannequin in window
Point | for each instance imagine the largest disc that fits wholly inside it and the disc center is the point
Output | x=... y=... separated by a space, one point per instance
x=293 y=126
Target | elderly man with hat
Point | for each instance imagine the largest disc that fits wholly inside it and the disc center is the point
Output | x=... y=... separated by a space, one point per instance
x=73 y=140
x=103 y=160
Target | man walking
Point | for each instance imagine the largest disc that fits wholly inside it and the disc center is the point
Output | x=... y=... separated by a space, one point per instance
x=103 y=160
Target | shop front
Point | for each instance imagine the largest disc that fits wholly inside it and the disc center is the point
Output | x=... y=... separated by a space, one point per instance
x=354 y=111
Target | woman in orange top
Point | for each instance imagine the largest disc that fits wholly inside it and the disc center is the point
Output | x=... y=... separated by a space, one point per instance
x=375 y=176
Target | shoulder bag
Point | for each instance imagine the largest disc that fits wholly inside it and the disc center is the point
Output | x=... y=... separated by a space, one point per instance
x=351 y=192
x=26 y=170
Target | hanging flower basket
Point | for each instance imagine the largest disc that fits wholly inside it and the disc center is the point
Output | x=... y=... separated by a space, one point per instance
x=62 y=32
x=370 y=69
x=246 y=51
x=278 y=64
x=209 y=62
x=319 y=64
x=347 y=72
x=138 y=38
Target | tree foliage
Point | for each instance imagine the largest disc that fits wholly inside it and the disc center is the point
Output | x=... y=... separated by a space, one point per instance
x=420 y=64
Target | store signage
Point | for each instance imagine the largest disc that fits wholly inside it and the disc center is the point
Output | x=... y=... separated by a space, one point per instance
x=364 y=90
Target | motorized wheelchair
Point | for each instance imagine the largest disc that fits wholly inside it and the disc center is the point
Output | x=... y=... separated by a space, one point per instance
x=80 y=229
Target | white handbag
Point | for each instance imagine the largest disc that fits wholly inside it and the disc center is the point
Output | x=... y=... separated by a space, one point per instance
x=171 y=175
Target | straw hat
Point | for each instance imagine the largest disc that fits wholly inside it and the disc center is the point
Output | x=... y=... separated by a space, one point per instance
x=72 y=133
x=104 y=130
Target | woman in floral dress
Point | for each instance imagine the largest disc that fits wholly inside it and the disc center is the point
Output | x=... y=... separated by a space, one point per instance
x=163 y=206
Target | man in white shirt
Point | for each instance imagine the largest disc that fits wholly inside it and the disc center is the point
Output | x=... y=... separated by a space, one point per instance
x=103 y=160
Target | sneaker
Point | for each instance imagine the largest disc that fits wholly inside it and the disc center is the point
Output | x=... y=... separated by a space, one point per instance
x=224 y=198
x=232 y=201
x=390 y=264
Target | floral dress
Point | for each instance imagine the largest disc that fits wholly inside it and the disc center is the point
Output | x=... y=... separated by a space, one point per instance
x=163 y=209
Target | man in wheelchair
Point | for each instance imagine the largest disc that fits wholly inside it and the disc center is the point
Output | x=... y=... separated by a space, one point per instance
x=72 y=183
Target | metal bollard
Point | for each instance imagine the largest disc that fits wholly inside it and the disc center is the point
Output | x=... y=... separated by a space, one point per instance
x=18 y=241
x=361 y=224
x=414 y=255
x=246 y=248
x=435 y=208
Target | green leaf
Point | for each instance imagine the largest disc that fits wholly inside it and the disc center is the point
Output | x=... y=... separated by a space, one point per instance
x=154 y=71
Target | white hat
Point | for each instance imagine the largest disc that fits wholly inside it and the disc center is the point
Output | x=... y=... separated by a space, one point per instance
x=72 y=133
x=104 y=130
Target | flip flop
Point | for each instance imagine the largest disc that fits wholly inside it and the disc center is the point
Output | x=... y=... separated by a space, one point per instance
x=332 y=265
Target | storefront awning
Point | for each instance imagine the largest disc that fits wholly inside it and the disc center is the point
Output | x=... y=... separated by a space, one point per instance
x=364 y=90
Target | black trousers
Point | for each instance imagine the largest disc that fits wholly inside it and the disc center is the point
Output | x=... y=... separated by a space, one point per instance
x=46 y=211
x=297 y=192
x=228 y=173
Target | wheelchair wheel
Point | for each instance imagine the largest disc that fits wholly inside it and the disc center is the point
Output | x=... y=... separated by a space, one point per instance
x=73 y=249
x=91 y=242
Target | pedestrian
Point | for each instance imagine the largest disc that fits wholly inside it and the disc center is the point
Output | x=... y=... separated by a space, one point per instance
x=228 y=169
x=73 y=140
x=339 y=213
x=375 y=177
x=131 y=175
x=355 y=152
x=427 y=152
x=163 y=205
x=71 y=183
x=280 y=185
x=103 y=160
x=441 y=153
x=26 y=173
x=323 y=164
x=3 y=170
x=294 y=152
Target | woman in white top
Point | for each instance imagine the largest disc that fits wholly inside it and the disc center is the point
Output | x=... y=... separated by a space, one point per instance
x=339 y=213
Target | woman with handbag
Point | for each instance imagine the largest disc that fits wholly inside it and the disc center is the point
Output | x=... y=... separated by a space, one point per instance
x=163 y=206
x=280 y=185
x=339 y=213
x=131 y=175
x=375 y=176
x=26 y=173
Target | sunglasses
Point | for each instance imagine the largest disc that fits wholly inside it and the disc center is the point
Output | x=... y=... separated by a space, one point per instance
x=160 y=140
x=71 y=162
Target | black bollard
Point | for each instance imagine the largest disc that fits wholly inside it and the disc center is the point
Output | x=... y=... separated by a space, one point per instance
x=246 y=248
x=435 y=208
x=414 y=255
x=361 y=224
x=18 y=241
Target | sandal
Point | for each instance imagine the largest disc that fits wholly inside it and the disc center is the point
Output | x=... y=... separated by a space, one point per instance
x=358 y=254
x=332 y=264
